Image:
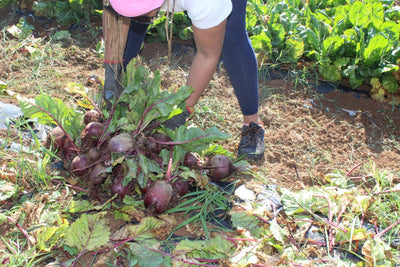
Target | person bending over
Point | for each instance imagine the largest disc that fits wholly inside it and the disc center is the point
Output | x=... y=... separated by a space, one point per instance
x=219 y=29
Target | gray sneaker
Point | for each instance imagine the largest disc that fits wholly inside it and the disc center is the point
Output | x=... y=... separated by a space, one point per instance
x=251 y=146
x=177 y=120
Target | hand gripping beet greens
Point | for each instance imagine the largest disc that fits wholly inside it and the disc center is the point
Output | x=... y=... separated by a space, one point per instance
x=127 y=146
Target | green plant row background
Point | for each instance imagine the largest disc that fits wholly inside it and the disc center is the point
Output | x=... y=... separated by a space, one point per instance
x=352 y=41
x=347 y=40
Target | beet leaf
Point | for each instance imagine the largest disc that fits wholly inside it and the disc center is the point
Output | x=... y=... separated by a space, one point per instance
x=193 y=139
x=52 y=111
x=88 y=233
x=148 y=170
x=142 y=101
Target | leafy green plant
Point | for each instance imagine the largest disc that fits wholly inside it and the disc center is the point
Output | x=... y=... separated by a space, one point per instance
x=354 y=41
x=66 y=12
x=4 y=3
x=88 y=233
x=52 y=111
x=180 y=29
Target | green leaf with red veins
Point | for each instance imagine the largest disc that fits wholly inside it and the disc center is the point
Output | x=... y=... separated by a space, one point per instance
x=195 y=139
x=52 y=111
x=143 y=101
x=147 y=255
x=214 y=248
x=89 y=232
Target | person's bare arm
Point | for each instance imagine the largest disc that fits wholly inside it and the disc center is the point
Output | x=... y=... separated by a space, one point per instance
x=209 y=44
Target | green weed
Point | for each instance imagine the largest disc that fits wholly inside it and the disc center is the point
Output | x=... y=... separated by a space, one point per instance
x=203 y=207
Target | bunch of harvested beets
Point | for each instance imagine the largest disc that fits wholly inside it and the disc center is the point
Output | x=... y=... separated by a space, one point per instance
x=128 y=148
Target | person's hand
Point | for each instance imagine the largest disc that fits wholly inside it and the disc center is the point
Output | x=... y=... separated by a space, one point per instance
x=112 y=82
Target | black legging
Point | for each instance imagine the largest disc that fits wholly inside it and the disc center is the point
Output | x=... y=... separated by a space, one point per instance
x=238 y=56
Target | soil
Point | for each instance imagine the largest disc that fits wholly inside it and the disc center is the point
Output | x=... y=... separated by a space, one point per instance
x=308 y=134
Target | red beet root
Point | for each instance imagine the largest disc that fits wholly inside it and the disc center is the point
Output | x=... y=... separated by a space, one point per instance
x=94 y=154
x=92 y=115
x=69 y=150
x=158 y=196
x=57 y=136
x=190 y=160
x=149 y=145
x=98 y=174
x=181 y=187
x=117 y=187
x=93 y=131
x=220 y=167
x=120 y=143
x=79 y=165
x=160 y=137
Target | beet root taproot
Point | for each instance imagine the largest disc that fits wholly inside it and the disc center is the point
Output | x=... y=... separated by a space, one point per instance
x=57 y=138
x=92 y=131
x=158 y=196
x=69 y=150
x=94 y=153
x=79 y=165
x=98 y=174
x=190 y=160
x=120 y=143
x=181 y=186
x=91 y=116
x=118 y=174
x=220 y=167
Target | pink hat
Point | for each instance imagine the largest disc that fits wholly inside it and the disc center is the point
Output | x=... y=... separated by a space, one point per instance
x=135 y=8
